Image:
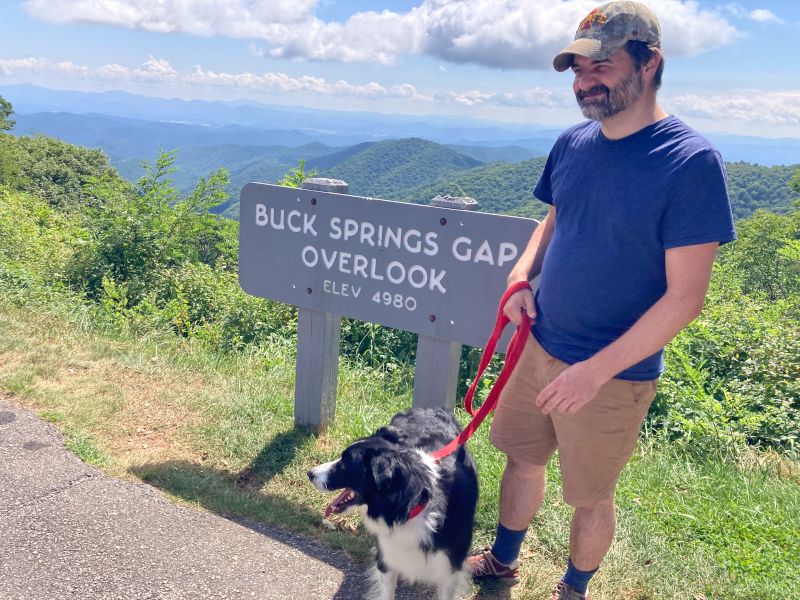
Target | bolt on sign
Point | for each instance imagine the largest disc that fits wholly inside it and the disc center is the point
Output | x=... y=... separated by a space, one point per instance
x=434 y=271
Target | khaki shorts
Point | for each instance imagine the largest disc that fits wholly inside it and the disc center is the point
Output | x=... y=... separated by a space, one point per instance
x=593 y=445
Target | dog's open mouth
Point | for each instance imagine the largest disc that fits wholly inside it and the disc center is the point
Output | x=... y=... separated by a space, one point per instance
x=344 y=500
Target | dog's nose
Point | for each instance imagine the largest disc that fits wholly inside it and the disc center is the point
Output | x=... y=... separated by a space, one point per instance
x=310 y=475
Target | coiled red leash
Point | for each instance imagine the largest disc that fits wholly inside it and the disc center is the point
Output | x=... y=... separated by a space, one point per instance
x=515 y=348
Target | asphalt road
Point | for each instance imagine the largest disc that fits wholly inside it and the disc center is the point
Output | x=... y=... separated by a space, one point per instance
x=69 y=532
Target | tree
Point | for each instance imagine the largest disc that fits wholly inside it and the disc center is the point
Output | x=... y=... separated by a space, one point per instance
x=296 y=176
x=766 y=257
x=5 y=111
x=794 y=184
x=138 y=232
x=56 y=171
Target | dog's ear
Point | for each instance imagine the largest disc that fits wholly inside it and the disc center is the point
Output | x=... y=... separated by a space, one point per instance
x=390 y=434
x=401 y=482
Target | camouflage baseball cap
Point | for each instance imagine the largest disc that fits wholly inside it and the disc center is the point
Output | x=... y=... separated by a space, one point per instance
x=607 y=29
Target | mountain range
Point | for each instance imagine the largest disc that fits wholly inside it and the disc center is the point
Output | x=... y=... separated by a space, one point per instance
x=296 y=126
x=378 y=155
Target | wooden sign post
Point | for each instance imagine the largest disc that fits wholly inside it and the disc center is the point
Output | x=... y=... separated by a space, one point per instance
x=318 y=338
x=436 y=369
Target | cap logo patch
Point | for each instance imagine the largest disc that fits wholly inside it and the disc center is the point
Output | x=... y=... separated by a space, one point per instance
x=593 y=18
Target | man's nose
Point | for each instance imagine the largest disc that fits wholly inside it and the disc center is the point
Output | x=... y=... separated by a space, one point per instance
x=585 y=82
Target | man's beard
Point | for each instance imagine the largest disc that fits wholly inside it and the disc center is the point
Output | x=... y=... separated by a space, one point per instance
x=613 y=101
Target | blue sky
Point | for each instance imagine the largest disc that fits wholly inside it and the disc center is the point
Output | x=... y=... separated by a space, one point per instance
x=729 y=64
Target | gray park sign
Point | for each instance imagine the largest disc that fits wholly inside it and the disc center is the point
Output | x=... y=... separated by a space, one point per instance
x=434 y=271
x=438 y=272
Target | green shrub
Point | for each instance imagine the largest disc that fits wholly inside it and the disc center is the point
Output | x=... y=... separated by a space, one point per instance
x=758 y=263
x=35 y=240
x=136 y=234
x=733 y=376
x=55 y=171
x=199 y=301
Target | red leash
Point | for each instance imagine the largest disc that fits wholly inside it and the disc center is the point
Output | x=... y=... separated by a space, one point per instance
x=513 y=354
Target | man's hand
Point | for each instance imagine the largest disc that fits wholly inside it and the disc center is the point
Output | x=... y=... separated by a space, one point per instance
x=571 y=390
x=521 y=301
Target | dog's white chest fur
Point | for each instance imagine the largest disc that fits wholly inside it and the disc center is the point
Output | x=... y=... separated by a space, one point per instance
x=401 y=551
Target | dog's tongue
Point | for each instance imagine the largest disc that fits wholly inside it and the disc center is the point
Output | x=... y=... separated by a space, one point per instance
x=336 y=501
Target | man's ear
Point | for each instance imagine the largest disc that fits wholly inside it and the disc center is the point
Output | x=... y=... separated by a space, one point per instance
x=651 y=66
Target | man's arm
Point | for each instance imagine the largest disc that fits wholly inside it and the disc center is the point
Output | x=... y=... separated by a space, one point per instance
x=688 y=271
x=528 y=266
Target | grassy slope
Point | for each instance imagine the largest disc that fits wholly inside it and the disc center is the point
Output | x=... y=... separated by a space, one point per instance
x=217 y=432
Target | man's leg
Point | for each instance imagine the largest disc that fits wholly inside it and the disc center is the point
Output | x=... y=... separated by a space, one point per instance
x=594 y=446
x=522 y=432
x=591 y=534
x=521 y=493
x=589 y=540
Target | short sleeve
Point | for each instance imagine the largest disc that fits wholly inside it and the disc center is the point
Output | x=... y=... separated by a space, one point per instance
x=698 y=210
x=544 y=188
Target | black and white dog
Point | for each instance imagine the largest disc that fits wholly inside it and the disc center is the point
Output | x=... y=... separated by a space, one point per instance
x=421 y=511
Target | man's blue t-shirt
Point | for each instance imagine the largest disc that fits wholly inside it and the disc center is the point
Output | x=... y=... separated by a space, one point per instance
x=620 y=204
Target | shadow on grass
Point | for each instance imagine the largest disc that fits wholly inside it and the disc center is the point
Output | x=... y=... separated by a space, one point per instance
x=273 y=458
x=237 y=497
x=269 y=515
x=493 y=591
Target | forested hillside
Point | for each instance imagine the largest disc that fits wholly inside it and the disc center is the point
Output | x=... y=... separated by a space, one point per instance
x=328 y=161
x=489 y=154
x=248 y=154
x=498 y=187
x=752 y=187
x=501 y=178
x=383 y=168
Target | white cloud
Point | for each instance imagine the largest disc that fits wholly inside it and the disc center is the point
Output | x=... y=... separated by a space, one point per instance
x=284 y=84
x=42 y=65
x=153 y=70
x=230 y=18
x=113 y=72
x=749 y=106
x=764 y=16
x=12 y=66
x=759 y=14
x=156 y=70
x=495 y=33
x=532 y=98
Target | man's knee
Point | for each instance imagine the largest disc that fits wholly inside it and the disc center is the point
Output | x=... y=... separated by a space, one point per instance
x=526 y=470
x=595 y=508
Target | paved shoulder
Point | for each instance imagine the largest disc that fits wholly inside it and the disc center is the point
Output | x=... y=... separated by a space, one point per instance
x=66 y=531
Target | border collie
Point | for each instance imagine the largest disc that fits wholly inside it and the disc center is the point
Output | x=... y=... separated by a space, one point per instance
x=421 y=511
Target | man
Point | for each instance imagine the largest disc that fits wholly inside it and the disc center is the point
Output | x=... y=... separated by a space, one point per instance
x=638 y=207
